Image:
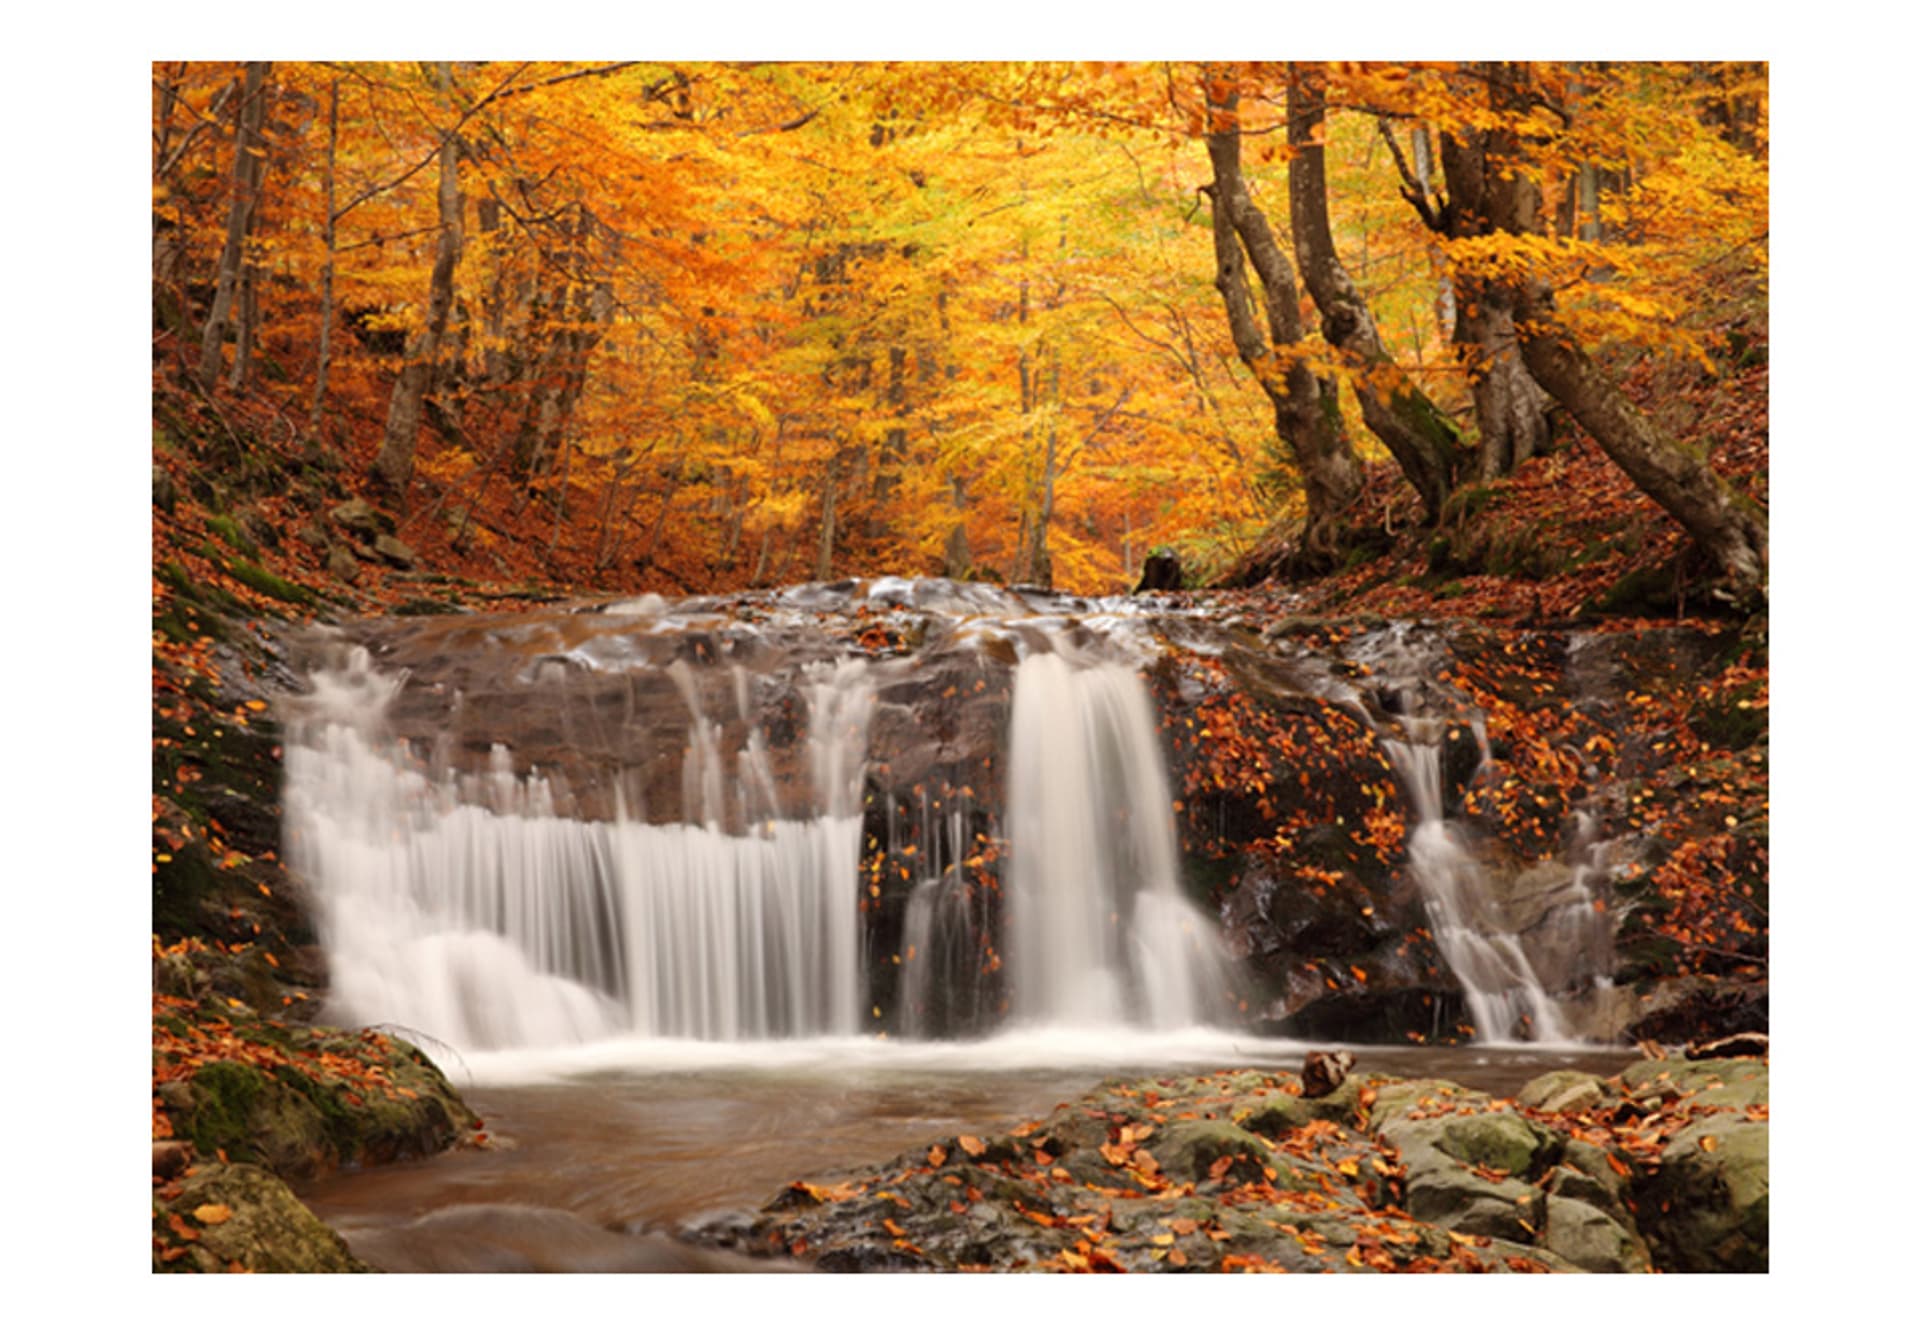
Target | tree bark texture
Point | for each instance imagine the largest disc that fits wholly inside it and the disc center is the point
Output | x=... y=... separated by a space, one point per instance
x=1727 y=526
x=1306 y=408
x=1509 y=405
x=393 y=466
x=249 y=168
x=331 y=239
x=1422 y=439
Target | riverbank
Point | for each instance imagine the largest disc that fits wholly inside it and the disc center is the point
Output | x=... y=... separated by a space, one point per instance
x=1661 y=1168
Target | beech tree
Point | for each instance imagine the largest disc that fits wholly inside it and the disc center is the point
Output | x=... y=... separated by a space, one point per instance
x=393 y=465
x=1728 y=527
x=1306 y=404
x=1423 y=440
x=233 y=281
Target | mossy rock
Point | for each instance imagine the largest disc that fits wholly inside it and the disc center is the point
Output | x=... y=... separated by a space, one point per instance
x=1503 y=1141
x=229 y=531
x=1187 y=1151
x=1278 y=1116
x=1563 y=1091
x=1730 y=721
x=257 y=1224
x=265 y=581
x=1737 y=1082
x=303 y=1124
x=1706 y=1208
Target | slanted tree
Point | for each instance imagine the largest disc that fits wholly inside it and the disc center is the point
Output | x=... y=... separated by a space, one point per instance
x=1727 y=526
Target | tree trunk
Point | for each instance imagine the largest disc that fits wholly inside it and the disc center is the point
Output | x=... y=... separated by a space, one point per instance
x=330 y=235
x=1306 y=408
x=1728 y=527
x=248 y=170
x=393 y=466
x=958 y=563
x=1508 y=403
x=1422 y=439
x=823 y=562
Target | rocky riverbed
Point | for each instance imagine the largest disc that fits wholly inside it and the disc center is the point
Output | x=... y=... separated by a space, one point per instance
x=1662 y=1168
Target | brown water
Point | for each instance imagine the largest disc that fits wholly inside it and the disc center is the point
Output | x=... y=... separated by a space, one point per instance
x=594 y=1173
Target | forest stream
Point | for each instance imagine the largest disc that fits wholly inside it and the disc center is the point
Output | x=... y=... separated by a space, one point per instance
x=598 y=1171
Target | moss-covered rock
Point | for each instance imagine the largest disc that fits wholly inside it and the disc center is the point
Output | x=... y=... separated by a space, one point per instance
x=222 y=1217
x=1706 y=1208
x=303 y=1101
x=1563 y=1091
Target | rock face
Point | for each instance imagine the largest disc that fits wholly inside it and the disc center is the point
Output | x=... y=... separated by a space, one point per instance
x=1239 y=1171
x=1288 y=743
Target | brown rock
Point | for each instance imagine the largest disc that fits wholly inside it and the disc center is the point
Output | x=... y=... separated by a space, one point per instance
x=1324 y=1071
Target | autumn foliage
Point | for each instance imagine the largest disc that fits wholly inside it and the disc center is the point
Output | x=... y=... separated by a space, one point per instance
x=698 y=326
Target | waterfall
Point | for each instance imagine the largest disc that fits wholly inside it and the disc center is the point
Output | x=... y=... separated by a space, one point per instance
x=720 y=820
x=1499 y=969
x=1100 y=932
x=473 y=911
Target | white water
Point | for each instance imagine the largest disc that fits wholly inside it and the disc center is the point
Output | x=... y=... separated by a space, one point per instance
x=1098 y=929
x=505 y=925
x=477 y=908
x=1497 y=969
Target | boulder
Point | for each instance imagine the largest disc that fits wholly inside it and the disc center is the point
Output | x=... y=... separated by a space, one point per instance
x=1706 y=1208
x=1563 y=1091
x=358 y=516
x=394 y=552
x=1590 y=1239
x=342 y=565
x=229 y=1215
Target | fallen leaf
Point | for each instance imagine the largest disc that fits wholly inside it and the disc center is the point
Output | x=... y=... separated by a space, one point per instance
x=213 y=1213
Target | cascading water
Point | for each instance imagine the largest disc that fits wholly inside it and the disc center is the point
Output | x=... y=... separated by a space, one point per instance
x=720 y=821
x=568 y=887
x=470 y=909
x=1490 y=962
x=1518 y=947
x=1099 y=928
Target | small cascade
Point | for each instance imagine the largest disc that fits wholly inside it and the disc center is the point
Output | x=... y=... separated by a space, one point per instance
x=1100 y=932
x=943 y=960
x=1514 y=984
x=470 y=908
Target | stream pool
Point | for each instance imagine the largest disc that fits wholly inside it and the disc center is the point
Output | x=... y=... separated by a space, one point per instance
x=597 y=1155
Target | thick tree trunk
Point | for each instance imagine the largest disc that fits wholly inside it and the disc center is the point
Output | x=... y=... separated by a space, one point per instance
x=330 y=237
x=248 y=170
x=393 y=466
x=1306 y=408
x=1422 y=439
x=1508 y=403
x=1728 y=527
